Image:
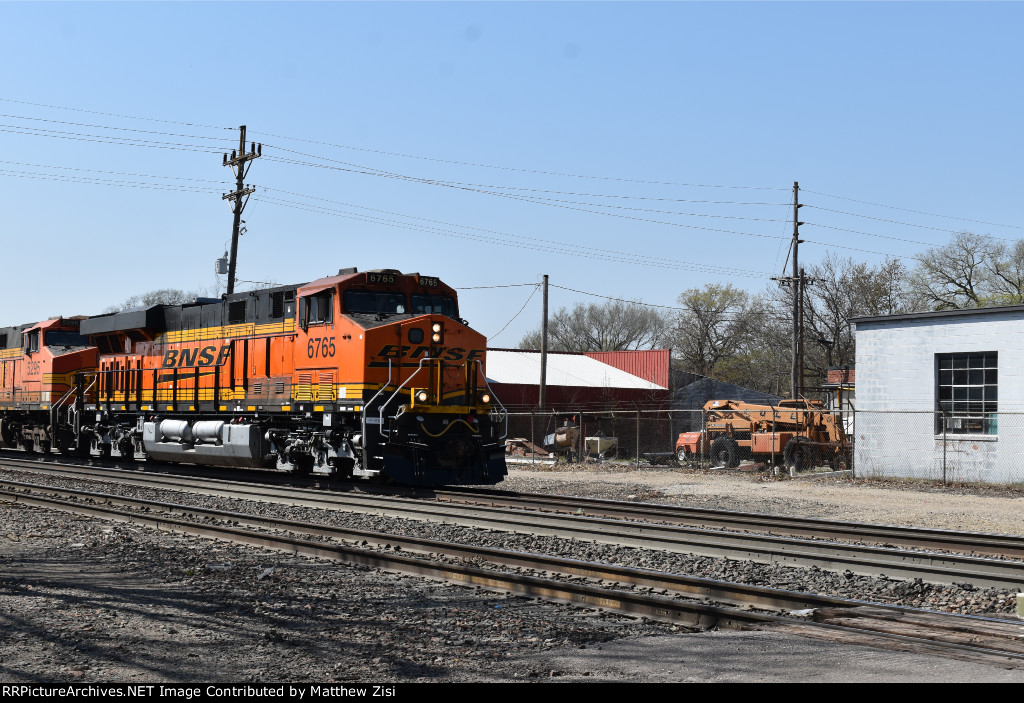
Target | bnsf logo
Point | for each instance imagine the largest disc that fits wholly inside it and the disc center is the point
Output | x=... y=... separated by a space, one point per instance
x=448 y=354
x=207 y=356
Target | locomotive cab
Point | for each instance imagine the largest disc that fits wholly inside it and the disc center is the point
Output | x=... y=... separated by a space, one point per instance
x=398 y=378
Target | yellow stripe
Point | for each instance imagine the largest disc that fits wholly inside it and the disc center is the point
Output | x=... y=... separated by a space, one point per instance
x=247 y=329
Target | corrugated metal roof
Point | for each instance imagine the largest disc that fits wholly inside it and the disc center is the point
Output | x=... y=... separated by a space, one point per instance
x=523 y=367
x=651 y=364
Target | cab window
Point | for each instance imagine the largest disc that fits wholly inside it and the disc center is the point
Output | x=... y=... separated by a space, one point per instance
x=366 y=301
x=61 y=338
x=423 y=304
x=318 y=309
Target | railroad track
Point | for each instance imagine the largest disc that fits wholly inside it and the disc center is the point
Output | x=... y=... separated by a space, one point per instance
x=869 y=560
x=679 y=599
x=1005 y=546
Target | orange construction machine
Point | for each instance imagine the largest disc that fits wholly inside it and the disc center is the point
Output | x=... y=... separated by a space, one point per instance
x=797 y=433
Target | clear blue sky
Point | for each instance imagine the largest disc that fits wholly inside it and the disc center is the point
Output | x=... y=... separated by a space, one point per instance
x=509 y=140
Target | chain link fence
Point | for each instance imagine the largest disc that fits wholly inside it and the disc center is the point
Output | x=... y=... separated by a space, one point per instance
x=951 y=448
x=867 y=443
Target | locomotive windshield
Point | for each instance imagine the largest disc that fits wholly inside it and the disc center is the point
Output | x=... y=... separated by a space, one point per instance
x=423 y=304
x=386 y=302
x=60 y=338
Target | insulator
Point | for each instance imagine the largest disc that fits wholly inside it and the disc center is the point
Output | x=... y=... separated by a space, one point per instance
x=252 y=148
x=259 y=149
x=233 y=154
x=225 y=159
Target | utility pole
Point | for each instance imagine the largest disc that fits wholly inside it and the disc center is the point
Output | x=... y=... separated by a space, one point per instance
x=239 y=163
x=797 y=281
x=544 y=349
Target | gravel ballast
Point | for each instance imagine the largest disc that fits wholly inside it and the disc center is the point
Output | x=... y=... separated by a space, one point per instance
x=86 y=600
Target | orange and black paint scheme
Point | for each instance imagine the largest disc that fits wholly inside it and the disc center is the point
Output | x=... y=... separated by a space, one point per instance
x=363 y=374
x=39 y=364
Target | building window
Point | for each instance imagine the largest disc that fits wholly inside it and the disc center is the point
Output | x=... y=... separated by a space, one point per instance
x=967 y=393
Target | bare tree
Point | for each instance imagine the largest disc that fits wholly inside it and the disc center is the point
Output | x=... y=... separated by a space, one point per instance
x=973 y=270
x=161 y=296
x=841 y=290
x=613 y=326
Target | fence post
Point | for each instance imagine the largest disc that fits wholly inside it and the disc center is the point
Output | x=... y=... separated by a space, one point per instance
x=853 y=444
x=637 y=440
x=943 y=448
x=703 y=434
x=581 y=456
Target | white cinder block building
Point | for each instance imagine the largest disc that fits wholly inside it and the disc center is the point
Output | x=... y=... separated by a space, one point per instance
x=940 y=395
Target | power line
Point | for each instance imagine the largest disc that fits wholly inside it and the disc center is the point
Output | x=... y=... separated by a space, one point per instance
x=456 y=162
x=868 y=234
x=620 y=300
x=536 y=287
x=111 y=114
x=113 y=173
x=768 y=311
x=916 y=212
x=100 y=126
x=894 y=222
x=519 y=170
x=534 y=243
x=105 y=139
x=510 y=285
x=178 y=187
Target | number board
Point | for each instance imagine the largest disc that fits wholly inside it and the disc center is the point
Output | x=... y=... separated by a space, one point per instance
x=380 y=277
x=429 y=282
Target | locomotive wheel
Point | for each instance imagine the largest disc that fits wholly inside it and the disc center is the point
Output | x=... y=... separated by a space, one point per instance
x=726 y=452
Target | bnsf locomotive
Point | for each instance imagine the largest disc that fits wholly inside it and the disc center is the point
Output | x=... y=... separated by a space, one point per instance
x=368 y=374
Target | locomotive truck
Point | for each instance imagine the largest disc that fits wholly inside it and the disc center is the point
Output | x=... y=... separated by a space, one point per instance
x=370 y=375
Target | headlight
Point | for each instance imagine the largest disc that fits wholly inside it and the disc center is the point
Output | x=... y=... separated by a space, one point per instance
x=422 y=396
x=485 y=398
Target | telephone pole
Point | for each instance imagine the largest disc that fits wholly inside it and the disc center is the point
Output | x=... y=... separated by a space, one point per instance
x=797 y=280
x=798 y=289
x=544 y=350
x=239 y=163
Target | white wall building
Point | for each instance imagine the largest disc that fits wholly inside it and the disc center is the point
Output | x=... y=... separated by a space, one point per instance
x=940 y=395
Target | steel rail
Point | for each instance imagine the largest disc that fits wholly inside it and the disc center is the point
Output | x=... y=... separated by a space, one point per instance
x=1006 y=546
x=982 y=543
x=865 y=623
x=860 y=559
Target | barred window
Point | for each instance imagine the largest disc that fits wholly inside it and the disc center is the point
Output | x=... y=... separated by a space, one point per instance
x=967 y=393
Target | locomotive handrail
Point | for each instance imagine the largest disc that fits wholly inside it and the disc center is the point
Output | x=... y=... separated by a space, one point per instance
x=72 y=411
x=504 y=412
x=369 y=405
x=397 y=391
